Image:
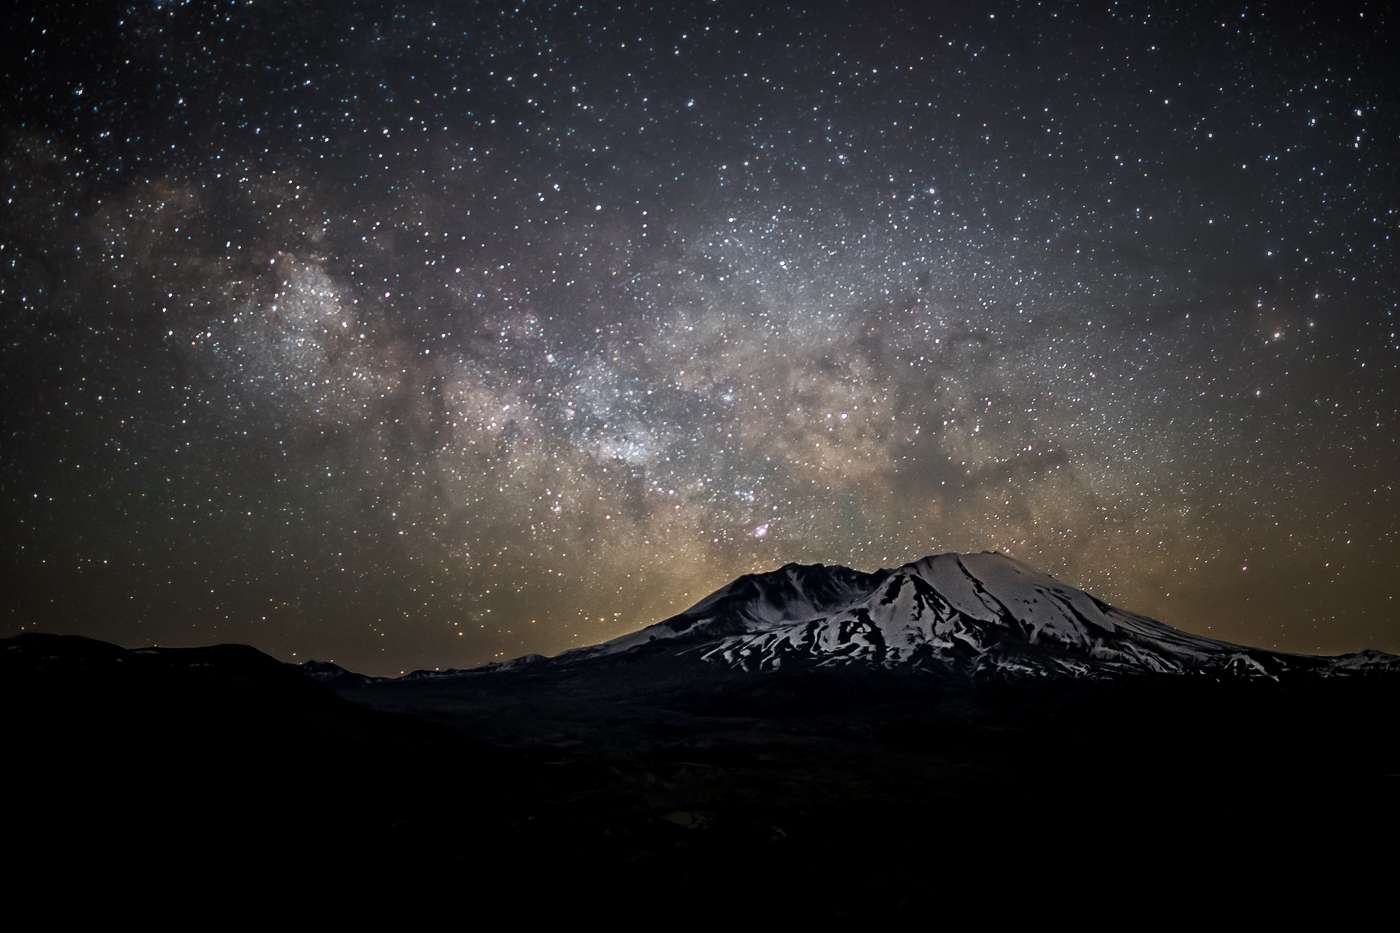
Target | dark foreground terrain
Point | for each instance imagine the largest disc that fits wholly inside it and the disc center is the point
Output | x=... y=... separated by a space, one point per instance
x=652 y=787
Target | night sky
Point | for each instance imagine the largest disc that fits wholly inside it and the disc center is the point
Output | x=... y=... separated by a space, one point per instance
x=413 y=335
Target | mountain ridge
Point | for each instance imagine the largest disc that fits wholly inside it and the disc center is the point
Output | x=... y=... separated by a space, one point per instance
x=983 y=615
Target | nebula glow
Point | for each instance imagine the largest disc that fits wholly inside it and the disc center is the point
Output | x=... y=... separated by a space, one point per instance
x=415 y=336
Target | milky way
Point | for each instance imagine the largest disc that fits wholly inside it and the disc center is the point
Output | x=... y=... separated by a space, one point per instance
x=414 y=336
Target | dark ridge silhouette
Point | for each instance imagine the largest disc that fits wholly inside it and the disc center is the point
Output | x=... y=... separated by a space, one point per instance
x=861 y=777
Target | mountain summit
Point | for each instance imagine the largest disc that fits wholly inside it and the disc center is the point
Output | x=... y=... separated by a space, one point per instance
x=980 y=614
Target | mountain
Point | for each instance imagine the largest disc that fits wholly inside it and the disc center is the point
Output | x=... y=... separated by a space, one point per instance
x=955 y=724
x=979 y=614
x=950 y=725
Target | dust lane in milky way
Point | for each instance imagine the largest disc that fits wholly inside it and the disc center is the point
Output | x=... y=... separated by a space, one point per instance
x=409 y=336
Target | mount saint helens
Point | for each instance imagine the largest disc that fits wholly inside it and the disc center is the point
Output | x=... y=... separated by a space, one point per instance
x=933 y=719
x=978 y=614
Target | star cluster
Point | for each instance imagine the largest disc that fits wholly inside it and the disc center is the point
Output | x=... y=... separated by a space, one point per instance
x=412 y=335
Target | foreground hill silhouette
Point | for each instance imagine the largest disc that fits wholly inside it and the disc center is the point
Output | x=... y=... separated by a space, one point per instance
x=773 y=750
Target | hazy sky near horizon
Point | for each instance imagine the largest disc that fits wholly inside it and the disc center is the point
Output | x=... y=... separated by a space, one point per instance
x=414 y=335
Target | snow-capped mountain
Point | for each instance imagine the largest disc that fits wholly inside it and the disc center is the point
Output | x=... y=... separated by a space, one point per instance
x=974 y=613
